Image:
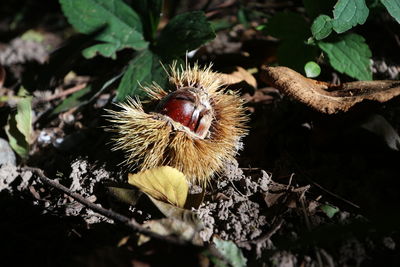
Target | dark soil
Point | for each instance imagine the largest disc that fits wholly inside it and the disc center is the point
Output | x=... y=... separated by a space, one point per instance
x=274 y=202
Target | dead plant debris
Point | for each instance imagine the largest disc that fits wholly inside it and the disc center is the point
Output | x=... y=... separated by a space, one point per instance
x=326 y=97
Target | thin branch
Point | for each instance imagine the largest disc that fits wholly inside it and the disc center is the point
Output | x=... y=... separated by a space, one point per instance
x=131 y=223
x=67 y=92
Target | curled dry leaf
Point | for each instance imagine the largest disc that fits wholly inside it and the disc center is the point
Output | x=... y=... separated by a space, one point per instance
x=236 y=75
x=326 y=97
x=172 y=226
x=163 y=183
x=181 y=222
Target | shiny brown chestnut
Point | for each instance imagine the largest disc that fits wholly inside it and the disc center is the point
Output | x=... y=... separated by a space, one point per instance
x=189 y=108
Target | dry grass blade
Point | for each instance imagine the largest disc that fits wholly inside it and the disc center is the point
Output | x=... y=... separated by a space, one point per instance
x=2 y=76
x=326 y=97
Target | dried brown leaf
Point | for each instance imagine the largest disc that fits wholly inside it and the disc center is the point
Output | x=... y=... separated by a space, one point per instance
x=326 y=97
x=172 y=226
x=236 y=75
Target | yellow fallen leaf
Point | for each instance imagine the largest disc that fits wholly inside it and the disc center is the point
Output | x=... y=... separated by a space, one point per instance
x=162 y=183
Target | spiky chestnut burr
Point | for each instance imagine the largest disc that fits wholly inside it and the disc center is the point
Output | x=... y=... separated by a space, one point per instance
x=195 y=128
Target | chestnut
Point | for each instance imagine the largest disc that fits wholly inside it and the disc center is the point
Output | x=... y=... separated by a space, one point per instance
x=187 y=107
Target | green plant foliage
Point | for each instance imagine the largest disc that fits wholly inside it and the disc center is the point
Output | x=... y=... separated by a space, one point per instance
x=349 y=13
x=288 y=25
x=329 y=210
x=149 y=11
x=393 y=7
x=19 y=126
x=85 y=96
x=242 y=17
x=231 y=253
x=350 y=55
x=118 y=26
x=143 y=69
x=122 y=25
x=72 y=101
x=312 y=69
x=33 y=35
x=321 y=27
x=183 y=33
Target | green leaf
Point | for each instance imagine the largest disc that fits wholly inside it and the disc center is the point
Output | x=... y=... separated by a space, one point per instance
x=86 y=95
x=33 y=35
x=221 y=24
x=144 y=68
x=288 y=25
x=150 y=12
x=122 y=25
x=349 y=13
x=393 y=7
x=72 y=101
x=312 y=69
x=350 y=55
x=242 y=17
x=329 y=210
x=184 y=32
x=24 y=114
x=19 y=126
x=231 y=252
x=321 y=27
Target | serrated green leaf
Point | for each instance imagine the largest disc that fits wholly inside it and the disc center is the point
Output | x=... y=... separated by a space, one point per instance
x=184 y=32
x=312 y=69
x=350 y=55
x=150 y=12
x=231 y=252
x=349 y=13
x=143 y=69
x=122 y=25
x=329 y=210
x=19 y=126
x=321 y=27
x=393 y=7
x=288 y=25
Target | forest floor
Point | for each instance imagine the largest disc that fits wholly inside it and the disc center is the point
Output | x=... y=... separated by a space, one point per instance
x=307 y=189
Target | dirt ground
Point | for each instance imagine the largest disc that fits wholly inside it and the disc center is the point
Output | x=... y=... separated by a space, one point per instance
x=307 y=189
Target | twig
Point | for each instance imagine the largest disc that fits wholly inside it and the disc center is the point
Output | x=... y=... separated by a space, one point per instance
x=69 y=91
x=270 y=233
x=131 y=223
x=308 y=178
x=333 y=194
